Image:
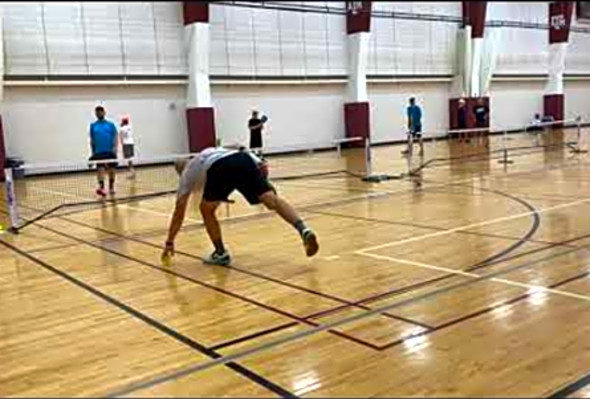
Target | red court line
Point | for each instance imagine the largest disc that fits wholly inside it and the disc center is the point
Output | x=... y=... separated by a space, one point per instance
x=258 y=275
x=484 y=311
x=214 y=288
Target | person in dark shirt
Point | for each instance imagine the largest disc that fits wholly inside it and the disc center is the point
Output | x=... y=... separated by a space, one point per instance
x=481 y=112
x=255 y=126
x=462 y=119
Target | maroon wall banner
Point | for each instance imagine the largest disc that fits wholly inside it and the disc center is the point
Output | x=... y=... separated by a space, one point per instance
x=358 y=16
x=553 y=106
x=201 y=128
x=560 y=19
x=195 y=11
x=474 y=14
x=356 y=121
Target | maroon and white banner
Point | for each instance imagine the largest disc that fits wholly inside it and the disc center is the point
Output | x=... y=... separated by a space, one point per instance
x=358 y=16
x=195 y=11
x=560 y=19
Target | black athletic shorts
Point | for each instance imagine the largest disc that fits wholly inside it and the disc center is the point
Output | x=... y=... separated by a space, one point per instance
x=417 y=131
x=102 y=156
x=128 y=151
x=235 y=172
x=256 y=140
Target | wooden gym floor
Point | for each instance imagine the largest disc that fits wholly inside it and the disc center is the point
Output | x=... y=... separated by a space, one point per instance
x=470 y=279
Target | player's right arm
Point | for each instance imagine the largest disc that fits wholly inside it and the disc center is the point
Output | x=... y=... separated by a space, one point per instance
x=176 y=223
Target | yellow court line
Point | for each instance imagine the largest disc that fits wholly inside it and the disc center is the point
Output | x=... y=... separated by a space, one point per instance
x=536 y=288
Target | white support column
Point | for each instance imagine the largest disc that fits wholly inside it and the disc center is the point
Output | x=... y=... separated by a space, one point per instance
x=358 y=49
x=197 y=44
x=476 y=55
x=557 y=53
x=199 y=111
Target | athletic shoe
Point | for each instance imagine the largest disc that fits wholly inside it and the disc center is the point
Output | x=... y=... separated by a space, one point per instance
x=112 y=191
x=218 y=259
x=101 y=192
x=310 y=242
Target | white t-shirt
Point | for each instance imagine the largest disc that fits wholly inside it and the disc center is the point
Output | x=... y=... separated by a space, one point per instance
x=195 y=172
x=126 y=134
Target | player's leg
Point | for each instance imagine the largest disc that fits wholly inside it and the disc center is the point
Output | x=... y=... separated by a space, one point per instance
x=253 y=185
x=220 y=256
x=218 y=186
x=128 y=153
x=100 y=173
x=421 y=141
x=275 y=203
x=111 y=172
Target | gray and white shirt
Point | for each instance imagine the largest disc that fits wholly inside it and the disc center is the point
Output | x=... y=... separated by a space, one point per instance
x=194 y=176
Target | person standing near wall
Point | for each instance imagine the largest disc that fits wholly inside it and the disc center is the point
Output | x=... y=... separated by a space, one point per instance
x=128 y=144
x=414 y=114
x=255 y=126
x=103 y=145
x=462 y=120
x=481 y=113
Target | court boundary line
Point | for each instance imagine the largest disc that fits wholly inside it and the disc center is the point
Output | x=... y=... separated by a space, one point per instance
x=151 y=322
x=471 y=226
x=311 y=331
x=475 y=275
x=254 y=302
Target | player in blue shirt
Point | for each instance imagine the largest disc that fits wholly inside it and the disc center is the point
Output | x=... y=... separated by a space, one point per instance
x=414 y=126
x=103 y=145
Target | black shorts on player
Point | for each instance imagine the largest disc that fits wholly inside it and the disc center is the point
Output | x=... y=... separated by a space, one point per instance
x=105 y=156
x=235 y=172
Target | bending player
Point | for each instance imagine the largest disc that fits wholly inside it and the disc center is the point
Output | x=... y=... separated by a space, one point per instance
x=217 y=172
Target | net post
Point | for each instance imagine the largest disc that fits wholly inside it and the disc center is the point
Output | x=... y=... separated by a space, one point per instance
x=11 y=200
x=368 y=158
x=505 y=159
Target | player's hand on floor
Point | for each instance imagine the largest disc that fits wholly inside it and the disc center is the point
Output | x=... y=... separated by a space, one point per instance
x=168 y=253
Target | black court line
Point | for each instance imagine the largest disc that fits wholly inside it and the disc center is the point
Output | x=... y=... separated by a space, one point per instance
x=238 y=269
x=501 y=304
x=252 y=376
x=220 y=290
x=571 y=388
x=254 y=336
x=250 y=351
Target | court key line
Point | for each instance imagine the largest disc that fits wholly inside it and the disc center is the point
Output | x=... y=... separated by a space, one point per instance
x=469 y=226
x=536 y=288
x=174 y=375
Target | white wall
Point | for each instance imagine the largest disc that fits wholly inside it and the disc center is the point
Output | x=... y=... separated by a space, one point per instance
x=388 y=108
x=513 y=104
x=300 y=117
x=577 y=99
x=48 y=124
